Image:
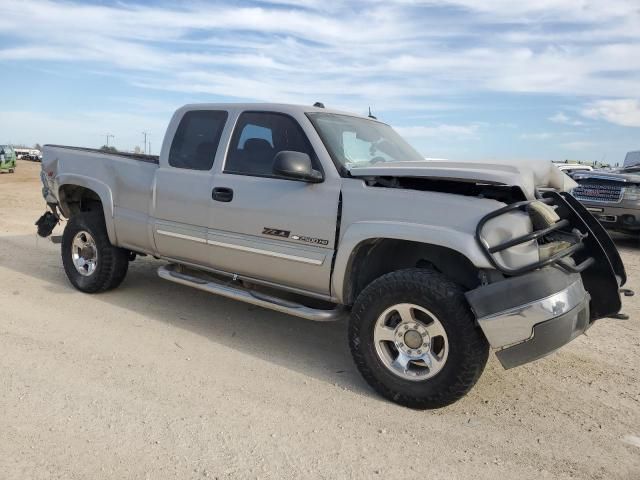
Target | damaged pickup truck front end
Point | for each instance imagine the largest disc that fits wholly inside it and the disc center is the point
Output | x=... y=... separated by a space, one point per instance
x=544 y=305
x=554 y=270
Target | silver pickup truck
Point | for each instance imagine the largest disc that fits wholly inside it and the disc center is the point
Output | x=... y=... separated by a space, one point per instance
x=323 y=215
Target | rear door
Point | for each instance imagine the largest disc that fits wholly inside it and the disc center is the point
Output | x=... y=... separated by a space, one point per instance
x=182 y=203
x=272 y=228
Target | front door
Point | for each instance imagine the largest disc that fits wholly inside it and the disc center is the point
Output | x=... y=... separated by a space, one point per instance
x=272 y=228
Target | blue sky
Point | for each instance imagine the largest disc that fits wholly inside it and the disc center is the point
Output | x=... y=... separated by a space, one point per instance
x=461 y=79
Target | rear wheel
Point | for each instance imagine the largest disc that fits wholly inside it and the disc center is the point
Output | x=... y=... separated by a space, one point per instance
x=414 y=339
x=91 y=263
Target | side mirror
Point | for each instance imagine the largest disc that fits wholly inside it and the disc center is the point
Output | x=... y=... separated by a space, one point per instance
x=296 y=166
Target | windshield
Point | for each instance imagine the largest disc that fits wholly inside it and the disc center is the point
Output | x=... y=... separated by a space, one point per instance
x=354 y=141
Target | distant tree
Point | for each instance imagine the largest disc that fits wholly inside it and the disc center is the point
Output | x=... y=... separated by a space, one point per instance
x=37 y=146
x=137 y=149
x=109 y=149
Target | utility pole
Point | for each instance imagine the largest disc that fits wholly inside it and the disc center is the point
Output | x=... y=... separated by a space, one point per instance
x=145 y=140
x=108 y=135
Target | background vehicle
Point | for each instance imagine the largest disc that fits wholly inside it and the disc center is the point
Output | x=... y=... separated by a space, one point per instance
x=571 y=168
x=613 y=196
x=632 y=159
x=7 y=159
x=323 y=214
x=32 y=154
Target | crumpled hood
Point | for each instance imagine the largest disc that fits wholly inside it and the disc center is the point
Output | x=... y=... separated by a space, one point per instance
x=526 y=175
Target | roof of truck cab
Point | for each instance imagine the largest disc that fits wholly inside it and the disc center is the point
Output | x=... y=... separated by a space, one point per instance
x=270 y=107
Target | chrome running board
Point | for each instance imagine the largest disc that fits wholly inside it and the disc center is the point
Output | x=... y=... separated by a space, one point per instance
x=173 y=274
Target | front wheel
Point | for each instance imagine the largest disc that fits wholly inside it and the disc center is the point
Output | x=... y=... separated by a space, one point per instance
x=414 y=339
x=91 y=263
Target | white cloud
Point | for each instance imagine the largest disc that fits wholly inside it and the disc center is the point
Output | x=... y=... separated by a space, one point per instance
x=443 y=130
x=352 y=53
x=423 y=59
x=536 y=136
x=550 y=10
x=625 y=112
x=560 y=117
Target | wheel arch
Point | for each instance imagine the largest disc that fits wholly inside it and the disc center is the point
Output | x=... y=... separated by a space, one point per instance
x=82 y=194
x=363 y=258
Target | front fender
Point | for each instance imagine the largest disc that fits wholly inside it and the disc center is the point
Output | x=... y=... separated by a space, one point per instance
x=356 y=233
x=100 y=188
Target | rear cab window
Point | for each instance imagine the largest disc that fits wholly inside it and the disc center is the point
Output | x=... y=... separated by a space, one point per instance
x=196 y=140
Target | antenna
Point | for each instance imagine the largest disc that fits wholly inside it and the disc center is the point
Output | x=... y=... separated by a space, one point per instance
x=370 y=115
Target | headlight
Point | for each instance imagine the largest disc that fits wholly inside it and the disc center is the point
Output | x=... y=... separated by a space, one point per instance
x=632 y=193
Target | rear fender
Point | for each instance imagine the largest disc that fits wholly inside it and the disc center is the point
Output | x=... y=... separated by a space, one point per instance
x=101 y=189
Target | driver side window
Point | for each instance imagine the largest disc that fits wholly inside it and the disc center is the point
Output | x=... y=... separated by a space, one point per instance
x=258 y=137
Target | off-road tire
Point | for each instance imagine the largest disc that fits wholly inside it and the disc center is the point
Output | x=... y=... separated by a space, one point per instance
x=113 y=262
x=468 y=348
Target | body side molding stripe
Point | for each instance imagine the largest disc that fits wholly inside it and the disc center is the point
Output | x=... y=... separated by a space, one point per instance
x=242 y=248
x=269 y=253
x=180 y=235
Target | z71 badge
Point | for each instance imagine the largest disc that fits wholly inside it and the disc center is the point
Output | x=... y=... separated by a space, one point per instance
x=276 y=232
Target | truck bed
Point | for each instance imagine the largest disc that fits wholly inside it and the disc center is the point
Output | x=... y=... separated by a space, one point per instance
x=124 y=182
x=135 y=156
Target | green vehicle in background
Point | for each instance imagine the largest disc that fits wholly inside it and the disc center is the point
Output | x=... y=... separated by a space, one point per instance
x=7 y=159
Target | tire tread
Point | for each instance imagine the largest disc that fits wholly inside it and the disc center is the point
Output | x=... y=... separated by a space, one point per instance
x=113 y=262
x=433 y=285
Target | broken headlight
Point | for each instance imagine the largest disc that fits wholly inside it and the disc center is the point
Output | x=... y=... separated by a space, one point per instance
x=542 y=217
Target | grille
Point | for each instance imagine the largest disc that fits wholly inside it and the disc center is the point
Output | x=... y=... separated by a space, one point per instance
x=598 y=192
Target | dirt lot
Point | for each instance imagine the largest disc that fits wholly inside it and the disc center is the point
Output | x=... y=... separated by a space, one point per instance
x=156 y=380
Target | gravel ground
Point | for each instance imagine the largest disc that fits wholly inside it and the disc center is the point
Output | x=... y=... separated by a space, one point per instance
x=155 y=380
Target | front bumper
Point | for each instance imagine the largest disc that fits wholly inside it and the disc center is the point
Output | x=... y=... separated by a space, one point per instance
x=624 y=216
x=547 y=337
x=530 y=316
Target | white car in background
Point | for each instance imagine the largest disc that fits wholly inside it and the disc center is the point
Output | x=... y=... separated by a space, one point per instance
x=571 y=168
x=32 y=154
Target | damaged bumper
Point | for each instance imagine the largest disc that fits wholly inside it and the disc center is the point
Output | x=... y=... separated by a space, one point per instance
x=530 y=316
x=540 y=307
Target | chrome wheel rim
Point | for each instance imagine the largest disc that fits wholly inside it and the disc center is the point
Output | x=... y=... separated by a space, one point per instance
x=84 y=253
x=411 y=342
